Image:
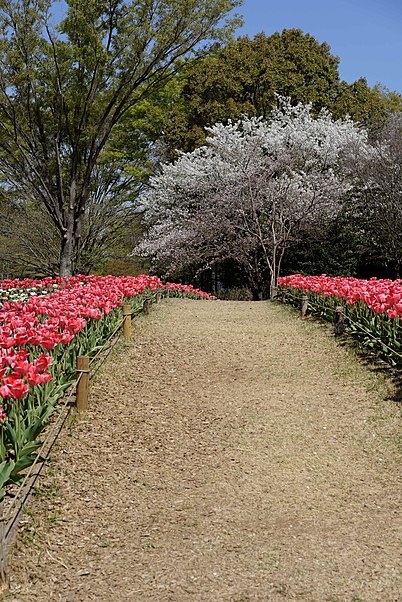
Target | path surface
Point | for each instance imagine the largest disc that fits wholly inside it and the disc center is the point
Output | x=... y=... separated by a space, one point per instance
x=233 y=453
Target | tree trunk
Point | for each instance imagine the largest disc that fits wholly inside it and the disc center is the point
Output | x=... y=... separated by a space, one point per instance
x=272 y=286
x=257 y=293
x=67 y=256
x=69 y=246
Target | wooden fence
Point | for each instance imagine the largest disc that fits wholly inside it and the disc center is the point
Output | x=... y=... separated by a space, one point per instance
x=339 y=315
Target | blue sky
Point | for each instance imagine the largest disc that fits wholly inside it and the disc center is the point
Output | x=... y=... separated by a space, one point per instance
x=366 y=35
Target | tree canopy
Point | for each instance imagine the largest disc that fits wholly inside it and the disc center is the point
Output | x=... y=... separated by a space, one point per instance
x=379 y=204
x=246 y=194
x=365 y=238
x=65 y=87
x=245 y=77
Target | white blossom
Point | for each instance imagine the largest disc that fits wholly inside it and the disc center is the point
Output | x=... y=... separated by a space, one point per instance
x=245 y=194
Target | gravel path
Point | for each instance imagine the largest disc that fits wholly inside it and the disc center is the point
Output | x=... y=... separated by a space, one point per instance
x=232 y=453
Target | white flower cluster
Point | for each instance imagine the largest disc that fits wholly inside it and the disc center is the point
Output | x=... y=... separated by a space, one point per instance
x=15 y=294
x=244 y=193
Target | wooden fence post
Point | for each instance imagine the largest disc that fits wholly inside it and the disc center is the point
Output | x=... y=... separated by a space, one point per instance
x=304 y=305
x=145 y=306
x=339 y=321
x=3 y=557
x=83 y=383
x=127 y=329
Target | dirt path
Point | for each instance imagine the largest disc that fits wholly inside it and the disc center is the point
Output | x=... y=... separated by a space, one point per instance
x=233 y=453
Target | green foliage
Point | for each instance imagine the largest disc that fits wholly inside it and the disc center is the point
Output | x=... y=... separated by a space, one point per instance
x=368 y=106
x=131 y=147
x=336 y=247
x=124 y=267
x=246 y=75
x=64 y=90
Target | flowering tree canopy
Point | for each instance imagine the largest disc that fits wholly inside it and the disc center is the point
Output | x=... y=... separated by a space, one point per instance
x=245 y=194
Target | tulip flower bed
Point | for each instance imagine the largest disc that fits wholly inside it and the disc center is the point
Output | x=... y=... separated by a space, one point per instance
x=372 y=308
x=22 y=290
x=41 y=334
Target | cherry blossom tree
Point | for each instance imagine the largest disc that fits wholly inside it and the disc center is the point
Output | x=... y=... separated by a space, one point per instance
x=245 y=194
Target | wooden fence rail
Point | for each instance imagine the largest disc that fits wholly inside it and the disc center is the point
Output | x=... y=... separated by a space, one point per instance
x=339 y=320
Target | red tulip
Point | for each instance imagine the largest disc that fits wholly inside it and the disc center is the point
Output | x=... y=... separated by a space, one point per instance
x=42 y=363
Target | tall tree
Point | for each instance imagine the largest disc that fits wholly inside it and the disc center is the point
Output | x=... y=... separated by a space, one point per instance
x=246 y=194
x=64 y=89
x=371 y=107
x=246 y=76
x=112 y=223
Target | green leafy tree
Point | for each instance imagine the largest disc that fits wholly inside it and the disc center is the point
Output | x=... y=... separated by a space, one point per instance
x=112 y=223
x=371 y=107
x=65 y=88
x=246 y=76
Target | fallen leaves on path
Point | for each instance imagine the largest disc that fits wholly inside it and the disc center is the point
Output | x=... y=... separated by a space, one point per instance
x=231 y=453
